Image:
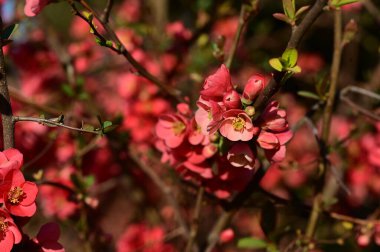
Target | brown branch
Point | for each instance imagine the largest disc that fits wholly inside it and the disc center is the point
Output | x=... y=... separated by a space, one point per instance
x=320 y=197
x=356 y=106
x=272 y=87
x=166 y=190
x=195 y=222
x=274 y=84
x=120 y=49
x=54 y=122
x=246 y=12
x=107 y=12
x=5 y=102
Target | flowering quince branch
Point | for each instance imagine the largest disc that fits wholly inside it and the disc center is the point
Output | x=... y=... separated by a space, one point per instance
x=120 y=49
x=5 y=103
x=298 y=32
x=368 y=4
x=56 y=122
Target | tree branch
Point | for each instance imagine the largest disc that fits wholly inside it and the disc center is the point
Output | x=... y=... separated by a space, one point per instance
x=5 y=102
x=107 y=12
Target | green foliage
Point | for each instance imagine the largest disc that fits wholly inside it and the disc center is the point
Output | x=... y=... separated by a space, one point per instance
x=287 y=62
x=252 y=243
x=9 y=31
x=340 y=3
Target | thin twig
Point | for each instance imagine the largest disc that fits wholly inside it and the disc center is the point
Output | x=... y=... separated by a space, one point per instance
x=357 y=106
x=195 y=222
x=166 y=190
x=5 y=102
x=245 y=12
x=299 y=31
x=53 y=122
x=18 y=96
x=107 y=12
x=319 y=198
x=120 y=49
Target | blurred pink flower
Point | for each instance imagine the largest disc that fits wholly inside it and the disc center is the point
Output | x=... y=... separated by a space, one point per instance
x=47 y=238
x=33 y=7
x=9 y=233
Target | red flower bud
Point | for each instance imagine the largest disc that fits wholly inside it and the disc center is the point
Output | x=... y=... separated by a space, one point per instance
x=253 y=88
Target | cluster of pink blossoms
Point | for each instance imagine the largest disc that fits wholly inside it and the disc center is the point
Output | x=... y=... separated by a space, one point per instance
x=218 y=145
x=17 y=199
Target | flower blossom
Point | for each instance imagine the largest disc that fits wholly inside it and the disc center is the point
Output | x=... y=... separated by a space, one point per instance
x=9 y=233
x=33 y=7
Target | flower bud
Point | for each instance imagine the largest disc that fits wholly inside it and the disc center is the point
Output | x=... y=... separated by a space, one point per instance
x=253 y=88
x=232 y=100
x=250 y=110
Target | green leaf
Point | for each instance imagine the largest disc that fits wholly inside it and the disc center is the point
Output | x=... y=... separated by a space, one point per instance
x=107 y=124
x=88 y=127
x=289 y=8
x=308 y=94
x=89 y=181
x=295 y=69
x=276 y=64
x=110 y=128
x=340 y=3
x=8 y=31
x=290 y=57
x=252 y=243
x=109 y=43
x=68 y=90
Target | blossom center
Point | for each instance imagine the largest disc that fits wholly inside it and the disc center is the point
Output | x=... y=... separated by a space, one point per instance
x=16 y=195
x=3 y=226
x=178 y=128
x=238 y=123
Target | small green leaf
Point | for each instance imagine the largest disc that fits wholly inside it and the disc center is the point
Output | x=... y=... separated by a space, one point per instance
x=289 y=8
x=68 y=90
x=88 y=127
x=88 y=15
x=252 y=243
x=8 y=31
x=290 y=57
x=110 y=128
x=89 y=181
x=276 y=64
x=107 y=124
x=109 y=43
x=295 y=69
x=340 y=3
x=308 y=94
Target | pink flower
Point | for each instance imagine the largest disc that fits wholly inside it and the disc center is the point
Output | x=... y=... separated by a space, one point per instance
x=9 y=233
x=275 y=132
x=232 y=100
x=47 y=238
x=217 y=84
x=33 y=7
x=253 y=88
x=226 y=235
x=171 y=128
x=140 y=237
x=11 y=159
x=208 y=116
x=241 y=155
x=237 y=125
x=18 y=195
